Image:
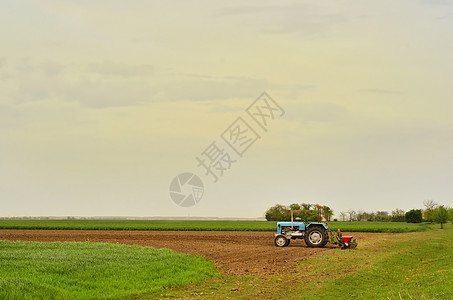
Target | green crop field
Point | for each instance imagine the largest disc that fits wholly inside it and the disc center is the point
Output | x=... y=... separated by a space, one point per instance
x=33 y=270
x=389 y=227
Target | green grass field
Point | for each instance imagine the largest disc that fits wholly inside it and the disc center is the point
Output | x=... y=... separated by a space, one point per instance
x=404 y=266
x=32 y=270
x=201 y=225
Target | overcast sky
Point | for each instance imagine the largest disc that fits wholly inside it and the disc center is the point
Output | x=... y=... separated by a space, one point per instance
x=103 y=103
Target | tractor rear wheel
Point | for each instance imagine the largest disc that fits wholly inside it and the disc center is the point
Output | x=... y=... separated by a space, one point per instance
x=316 y=237
x=281 y=241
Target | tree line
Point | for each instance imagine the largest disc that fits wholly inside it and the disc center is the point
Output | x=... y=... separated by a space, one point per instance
x=432 y=212
x=308 y=212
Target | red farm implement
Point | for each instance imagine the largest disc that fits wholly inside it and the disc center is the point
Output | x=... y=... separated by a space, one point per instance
x=344 y=242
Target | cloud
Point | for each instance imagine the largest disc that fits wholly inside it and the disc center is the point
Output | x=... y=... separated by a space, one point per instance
x=122 y=70
x=222 y=108
x=119 y=91
x=32 y=91
x=48 y=67
x=305 y=18
x=107 y=68
x=102 y=93
x=106 y=92
x=114 y=84
x=212 y=88
x=25 y=65
x=164 y=88
x=52 y=68
x=380 y=91
x=7 y=113
x=316 y=111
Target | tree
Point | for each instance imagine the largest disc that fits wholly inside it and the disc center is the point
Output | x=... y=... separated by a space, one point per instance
x=306 y=214
x=372 y=217
x=326 y=212
x=450 y=214
x=430 y=206
x=398 y=215
x=382 y=216
x=280 y=212
x=351 y=214
x=313 y=217
x=414 y=216
x=343 y=216
x=306 y=206
x=360 y=215
x=365 y=216
x=440 y=215
x=294 y=206
x=277 y=213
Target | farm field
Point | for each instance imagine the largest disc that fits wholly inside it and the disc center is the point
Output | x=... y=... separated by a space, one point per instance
x=233 y=252
x=393 y=266
x=189 y=225
x=33 y=270
x=415 y=265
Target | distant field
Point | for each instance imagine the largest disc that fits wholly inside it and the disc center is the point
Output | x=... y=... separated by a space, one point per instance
x=33 y=270
x=390 y=227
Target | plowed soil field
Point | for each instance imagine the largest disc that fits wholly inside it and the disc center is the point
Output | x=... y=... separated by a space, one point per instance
x=234 y=252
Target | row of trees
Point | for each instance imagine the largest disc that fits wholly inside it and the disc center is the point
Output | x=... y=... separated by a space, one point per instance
x=309 y=212
x=380 y=216
x=433 y=212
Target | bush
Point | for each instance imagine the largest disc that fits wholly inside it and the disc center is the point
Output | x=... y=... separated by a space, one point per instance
x=414 y=216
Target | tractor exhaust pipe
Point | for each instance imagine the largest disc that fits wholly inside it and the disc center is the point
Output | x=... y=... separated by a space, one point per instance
x=292 y=216
x=319 y=214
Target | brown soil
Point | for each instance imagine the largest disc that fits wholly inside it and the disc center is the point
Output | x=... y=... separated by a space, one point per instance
x=234 y=252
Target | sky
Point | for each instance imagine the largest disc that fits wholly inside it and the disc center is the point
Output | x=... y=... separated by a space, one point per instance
x=104 y=103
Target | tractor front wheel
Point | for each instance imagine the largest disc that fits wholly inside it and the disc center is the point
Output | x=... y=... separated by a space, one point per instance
x=316 y=237
x=281 y=241
x=287 y=242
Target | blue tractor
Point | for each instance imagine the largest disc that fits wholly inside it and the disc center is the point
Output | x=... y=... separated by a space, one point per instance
x=314 y=234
